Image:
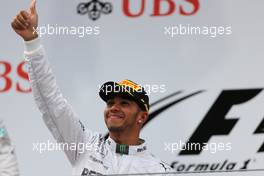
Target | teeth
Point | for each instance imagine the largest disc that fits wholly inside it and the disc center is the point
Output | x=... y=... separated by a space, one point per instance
x=115 y=116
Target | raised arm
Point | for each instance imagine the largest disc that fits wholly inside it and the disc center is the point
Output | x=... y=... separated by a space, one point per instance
x=57 y=113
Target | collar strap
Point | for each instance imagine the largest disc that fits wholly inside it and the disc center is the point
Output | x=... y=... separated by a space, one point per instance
x=122 y=149
x=126 y=149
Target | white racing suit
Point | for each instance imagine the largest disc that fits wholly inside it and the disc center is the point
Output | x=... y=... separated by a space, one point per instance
x=102 y=156
x=8 y=162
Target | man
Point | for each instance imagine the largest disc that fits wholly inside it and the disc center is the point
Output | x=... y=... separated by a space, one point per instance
x=123 y=152
x=8 y=162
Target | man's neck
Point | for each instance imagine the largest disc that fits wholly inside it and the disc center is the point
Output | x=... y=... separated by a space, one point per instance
x=122 y=138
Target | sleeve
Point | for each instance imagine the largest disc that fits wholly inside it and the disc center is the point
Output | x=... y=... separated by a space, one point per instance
x=57 y=113
x=8 y=161
x=162 y=168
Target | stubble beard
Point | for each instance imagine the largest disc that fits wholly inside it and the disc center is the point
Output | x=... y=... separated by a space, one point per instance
x=123 y=127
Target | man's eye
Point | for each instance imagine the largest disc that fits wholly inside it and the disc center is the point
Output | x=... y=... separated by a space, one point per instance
x=109 y=103
x=125 y=103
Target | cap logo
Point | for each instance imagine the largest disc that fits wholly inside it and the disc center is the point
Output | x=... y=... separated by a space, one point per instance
x=130 y=84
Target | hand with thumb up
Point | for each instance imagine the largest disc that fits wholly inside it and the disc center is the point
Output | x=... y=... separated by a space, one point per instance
x=26 y=22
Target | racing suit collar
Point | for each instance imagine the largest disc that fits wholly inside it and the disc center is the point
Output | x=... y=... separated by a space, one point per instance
x=126 y=149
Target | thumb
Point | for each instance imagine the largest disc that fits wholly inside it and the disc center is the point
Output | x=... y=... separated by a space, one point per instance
x=33 y=10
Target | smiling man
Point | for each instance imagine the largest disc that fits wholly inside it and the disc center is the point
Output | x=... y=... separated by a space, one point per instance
x=127 y=107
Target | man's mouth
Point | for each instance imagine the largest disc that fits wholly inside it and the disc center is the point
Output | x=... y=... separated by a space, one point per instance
x=115 y=116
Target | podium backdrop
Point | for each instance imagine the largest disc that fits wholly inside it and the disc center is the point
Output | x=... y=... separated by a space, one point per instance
x=201 y=61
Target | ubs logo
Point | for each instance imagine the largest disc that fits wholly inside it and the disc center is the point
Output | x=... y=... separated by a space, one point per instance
x=94 y=9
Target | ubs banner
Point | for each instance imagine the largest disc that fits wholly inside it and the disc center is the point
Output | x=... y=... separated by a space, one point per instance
x=200 y=61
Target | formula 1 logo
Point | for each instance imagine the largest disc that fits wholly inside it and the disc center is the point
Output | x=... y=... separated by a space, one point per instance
x=94 y=9
x=215 y=122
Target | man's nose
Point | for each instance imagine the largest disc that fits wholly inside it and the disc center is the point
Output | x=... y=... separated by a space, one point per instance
x=115 y=107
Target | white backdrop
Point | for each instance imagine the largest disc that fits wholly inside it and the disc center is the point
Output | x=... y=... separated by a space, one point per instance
x=139 y=49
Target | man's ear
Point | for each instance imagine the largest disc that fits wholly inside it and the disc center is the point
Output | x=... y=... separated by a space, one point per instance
x=143 y=117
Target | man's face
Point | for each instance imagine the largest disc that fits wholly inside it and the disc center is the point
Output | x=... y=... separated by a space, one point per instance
x=121 y=114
